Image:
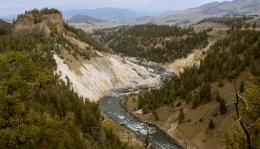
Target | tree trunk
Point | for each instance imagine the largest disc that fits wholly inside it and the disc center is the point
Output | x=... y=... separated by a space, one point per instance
x=240 y=121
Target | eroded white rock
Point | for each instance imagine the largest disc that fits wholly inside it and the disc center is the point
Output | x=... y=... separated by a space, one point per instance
x=101 y=74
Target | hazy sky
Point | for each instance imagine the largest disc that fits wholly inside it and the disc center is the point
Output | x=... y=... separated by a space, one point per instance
x=9 y=7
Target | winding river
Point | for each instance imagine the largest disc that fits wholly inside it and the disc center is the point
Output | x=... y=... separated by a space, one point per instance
x=110 y=105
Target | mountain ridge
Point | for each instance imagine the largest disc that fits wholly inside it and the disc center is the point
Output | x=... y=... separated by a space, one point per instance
x=84 y=19
x=193 y=15
x=107 y=14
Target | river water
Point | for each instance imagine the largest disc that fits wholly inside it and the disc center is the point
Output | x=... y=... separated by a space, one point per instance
x=110 y=105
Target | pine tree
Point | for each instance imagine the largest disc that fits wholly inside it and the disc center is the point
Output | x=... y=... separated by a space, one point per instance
x=181 y=115
x=222 y=107
x=218 y=98
x=211 y=124
x=242 y=87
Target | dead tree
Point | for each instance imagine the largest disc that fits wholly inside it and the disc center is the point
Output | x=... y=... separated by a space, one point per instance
x=239 y=119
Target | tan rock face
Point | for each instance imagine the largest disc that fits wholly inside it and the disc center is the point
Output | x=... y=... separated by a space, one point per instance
x=38 y=25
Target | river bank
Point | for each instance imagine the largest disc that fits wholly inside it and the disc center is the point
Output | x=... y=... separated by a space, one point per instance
x=125 y=135
x=193 y=132
x=138 y=115
x=110 y=106
x=179 y=142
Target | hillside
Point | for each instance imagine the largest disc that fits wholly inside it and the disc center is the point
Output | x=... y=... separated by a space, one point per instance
x=52 y=74
x=230 y=21
x=193 y=15
x=84 y=19
x=4 y=27
x=37 y=108
x=196 y=106
x=235 y=7
x=154 y=43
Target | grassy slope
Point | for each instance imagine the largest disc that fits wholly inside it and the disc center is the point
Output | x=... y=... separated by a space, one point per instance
x=192 y=132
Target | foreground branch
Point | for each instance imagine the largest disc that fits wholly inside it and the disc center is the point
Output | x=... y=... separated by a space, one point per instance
x=240 y=121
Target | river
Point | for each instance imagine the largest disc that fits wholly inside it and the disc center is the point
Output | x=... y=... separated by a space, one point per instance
x=110 y=105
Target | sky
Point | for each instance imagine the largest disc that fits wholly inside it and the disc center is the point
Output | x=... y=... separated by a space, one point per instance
x=12 y=7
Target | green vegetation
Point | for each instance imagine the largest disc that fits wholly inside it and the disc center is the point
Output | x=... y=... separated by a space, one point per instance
x=85 y=37
x=230 y=21
x=4 y=28
x=38 y=14
x=250 y=114
x=38 y=110
x=155 y=43
x=204 y=95
x=226 y=59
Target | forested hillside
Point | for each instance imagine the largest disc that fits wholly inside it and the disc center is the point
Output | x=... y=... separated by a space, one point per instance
x=230 y=21
x=226 y=60
x=155 y=43
x=38 y=110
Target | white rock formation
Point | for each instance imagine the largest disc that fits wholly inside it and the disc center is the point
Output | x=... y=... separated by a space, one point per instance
x=103 y=73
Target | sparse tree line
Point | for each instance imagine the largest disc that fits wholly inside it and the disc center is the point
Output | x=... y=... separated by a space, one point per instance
x=38 y=15
x=231 y=21
x=161 y=43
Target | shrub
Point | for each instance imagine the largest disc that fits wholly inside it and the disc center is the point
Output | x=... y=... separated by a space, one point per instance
x=211 y=124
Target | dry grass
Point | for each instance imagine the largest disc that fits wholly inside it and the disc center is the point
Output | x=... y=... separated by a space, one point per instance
x=193 y=133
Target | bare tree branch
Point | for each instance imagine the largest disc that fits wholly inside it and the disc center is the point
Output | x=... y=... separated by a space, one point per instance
x=252 y=124
x=240 y=121
x=243 y=99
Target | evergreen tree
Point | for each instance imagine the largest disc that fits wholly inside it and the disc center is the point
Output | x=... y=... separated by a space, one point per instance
x=211 y=124
x=218 y=98
x=242 y=87
x=181 y=115
x=222 y=107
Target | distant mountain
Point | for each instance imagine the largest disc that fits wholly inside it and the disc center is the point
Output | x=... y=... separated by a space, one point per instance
x=84 y=19
x=235 y=7
x=143 y=20
x=5 y=20
x=107 y=14
x=209 y=5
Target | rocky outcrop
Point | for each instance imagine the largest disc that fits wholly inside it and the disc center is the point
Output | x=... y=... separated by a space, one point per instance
x=94 y=78
x=41 y=24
